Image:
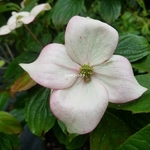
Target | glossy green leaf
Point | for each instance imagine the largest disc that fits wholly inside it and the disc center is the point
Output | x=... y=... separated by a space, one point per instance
x=64 y=10
x=9 y=124
x=138 y=141
x=37 y=111
x=63 y=127
x=143 y=64
x=109 y=134
x=4 y=96
x=67 y=139
x=110 y=10
x=9 y=142
x=70 y=137
x=133 y=47
x=143 y=103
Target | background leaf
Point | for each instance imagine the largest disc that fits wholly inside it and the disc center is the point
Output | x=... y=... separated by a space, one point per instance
x=9 y=124
x=37 y=111
x=143 y=64
x=109 y=134
x=4 y=96
x=9 y=142
x=110 y=10
x=21 y=84
x=133 y=47
x=46 y=39
x=30 y=4
x=63 y=138
x=138 y=141
x=142 y=4
x=64 y=10
x=9 y=7
x=15 y=69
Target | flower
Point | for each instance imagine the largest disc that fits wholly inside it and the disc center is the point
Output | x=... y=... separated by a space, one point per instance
x=84 y=74
x=22 y=3
x=20 y=18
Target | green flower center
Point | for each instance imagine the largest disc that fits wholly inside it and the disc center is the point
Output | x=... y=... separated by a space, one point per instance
x=85 y=72
x=19 y=17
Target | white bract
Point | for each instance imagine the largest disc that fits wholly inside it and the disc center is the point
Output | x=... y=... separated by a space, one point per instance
x=19 y=18
x=84 y=74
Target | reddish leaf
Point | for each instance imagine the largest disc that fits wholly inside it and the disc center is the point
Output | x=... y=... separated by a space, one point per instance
x=21 y=84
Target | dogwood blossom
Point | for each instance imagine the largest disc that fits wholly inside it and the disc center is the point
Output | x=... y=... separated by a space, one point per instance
x=84 y=74
x=19 y=18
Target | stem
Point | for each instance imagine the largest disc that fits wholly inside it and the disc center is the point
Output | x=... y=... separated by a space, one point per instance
x=33 y=36
x=4 y=60
x=9 y=51
x=1 y=48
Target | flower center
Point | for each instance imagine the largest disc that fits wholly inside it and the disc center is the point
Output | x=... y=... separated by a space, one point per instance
x=85 y=72
x=19 y=17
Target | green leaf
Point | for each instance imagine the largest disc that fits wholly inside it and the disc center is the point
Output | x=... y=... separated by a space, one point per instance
x=31 y=45
x=143 y=64
x=63 y=127
x=138 y=141
x=46 y=39
x=141 y=3
x=110 y=10
x=9 y=142
x=109 y=134
x=15 y=69
x=143 y=103
x=9 y=7
x=70 y=137
x=37 y=111
x=138 y=120
x=64 y=138
x=18 y=113
x=77 y=142
x=3 y=99
x=64 y=10
x=60 y=38
x=133 y=47
x=9 y=124
x=30 y=5
x=3 y=21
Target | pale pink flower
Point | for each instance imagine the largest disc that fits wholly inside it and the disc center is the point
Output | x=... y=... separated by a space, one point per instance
x=19 y=18
x=84 y=74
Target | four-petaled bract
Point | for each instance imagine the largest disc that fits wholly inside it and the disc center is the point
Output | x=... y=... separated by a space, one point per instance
x=84 y=74
x=19 y=18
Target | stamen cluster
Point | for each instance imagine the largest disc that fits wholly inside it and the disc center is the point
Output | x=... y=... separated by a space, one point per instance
x=85 y=72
